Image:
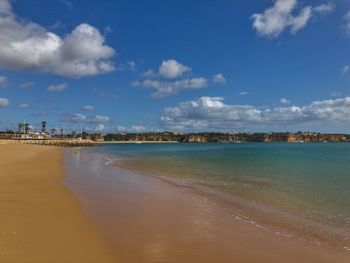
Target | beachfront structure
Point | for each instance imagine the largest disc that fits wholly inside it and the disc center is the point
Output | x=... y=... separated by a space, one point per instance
x=24 y=136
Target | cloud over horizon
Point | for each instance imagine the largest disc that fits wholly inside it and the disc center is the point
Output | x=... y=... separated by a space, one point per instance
x=211 y=113
x=78 y=117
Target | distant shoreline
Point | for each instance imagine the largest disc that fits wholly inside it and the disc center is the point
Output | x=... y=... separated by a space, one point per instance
x=135 y=142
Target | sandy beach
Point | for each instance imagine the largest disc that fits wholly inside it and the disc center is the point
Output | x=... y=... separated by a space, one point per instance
x=109 y=214
x=41 y=220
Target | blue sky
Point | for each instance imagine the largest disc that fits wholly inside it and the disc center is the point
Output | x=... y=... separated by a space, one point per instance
x=274 y=65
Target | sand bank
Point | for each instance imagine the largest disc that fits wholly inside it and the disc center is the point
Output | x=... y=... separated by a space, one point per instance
x=40 y=220
x=146 y=219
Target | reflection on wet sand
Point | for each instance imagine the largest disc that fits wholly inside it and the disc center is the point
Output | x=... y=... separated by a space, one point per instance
x=145 y=219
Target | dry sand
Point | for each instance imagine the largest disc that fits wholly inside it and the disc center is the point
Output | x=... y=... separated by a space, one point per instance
x=40 y=220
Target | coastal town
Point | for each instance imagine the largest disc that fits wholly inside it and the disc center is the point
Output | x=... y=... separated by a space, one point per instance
x=53 y=136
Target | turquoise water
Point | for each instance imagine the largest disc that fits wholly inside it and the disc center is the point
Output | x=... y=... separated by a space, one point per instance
x=309 y=179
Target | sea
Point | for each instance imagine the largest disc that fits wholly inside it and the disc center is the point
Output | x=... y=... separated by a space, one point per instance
x=293 y=189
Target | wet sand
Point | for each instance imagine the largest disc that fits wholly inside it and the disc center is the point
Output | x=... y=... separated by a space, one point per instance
x=145 y=219
x=41 y=221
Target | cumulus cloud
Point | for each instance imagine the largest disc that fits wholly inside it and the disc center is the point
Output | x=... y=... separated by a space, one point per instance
x=24 y=106
x=97 y=128
x=135 y=83
x=166 y=88
x=74 y=118
x=128 y=66
x=26 y=45
x=5 y=7
x=171 y=79
x=26 y=85
x=78 y=117
x=285 y=101
x=324 y=9
x=57 y=88
x=4 y=102
x=172 y=69
x=150 y=74
x=87 y=108
x=284 y=15
x=345 y=70
x=98 y=119
x=211 y=113
x=3 y=81
x=219 y=79
x=347 y=22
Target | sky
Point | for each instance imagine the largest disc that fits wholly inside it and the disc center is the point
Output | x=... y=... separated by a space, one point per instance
x=162 y=65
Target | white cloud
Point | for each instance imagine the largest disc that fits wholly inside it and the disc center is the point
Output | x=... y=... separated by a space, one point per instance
x=96 y=123
x=57 y=88
x=166 y=88
x=24 y=106
x=87 y=108
x=98 y=119
x=336 y=94
x=129 y=66
x=3 y=81
x=67 y=3
x=98 y=128
x=243 y=93
x=26 y=85
x=274 y=20
x=121 y=129
x=211 y=113
x=285 y=101
x=324 y=9
x=4 y=102
x=345 y=70
x=133 y=128
x=150 y=74
x=172 y=69
x=135 y=84
x=171 y=79
x=5 y=7
x=347 y=22
x=75 y=118
x=219 y=78
x=28 y=46
x=137 y=128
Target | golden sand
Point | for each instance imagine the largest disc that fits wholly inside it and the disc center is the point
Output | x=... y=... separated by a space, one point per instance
x=40 y=220
x=143 y=219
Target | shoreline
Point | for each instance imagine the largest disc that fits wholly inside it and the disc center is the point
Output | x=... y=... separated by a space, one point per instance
x=135 y=142
x=41 y=220
x=274 y=220
x=215 y=234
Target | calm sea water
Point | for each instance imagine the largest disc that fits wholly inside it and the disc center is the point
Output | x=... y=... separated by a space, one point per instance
x=309 y=179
